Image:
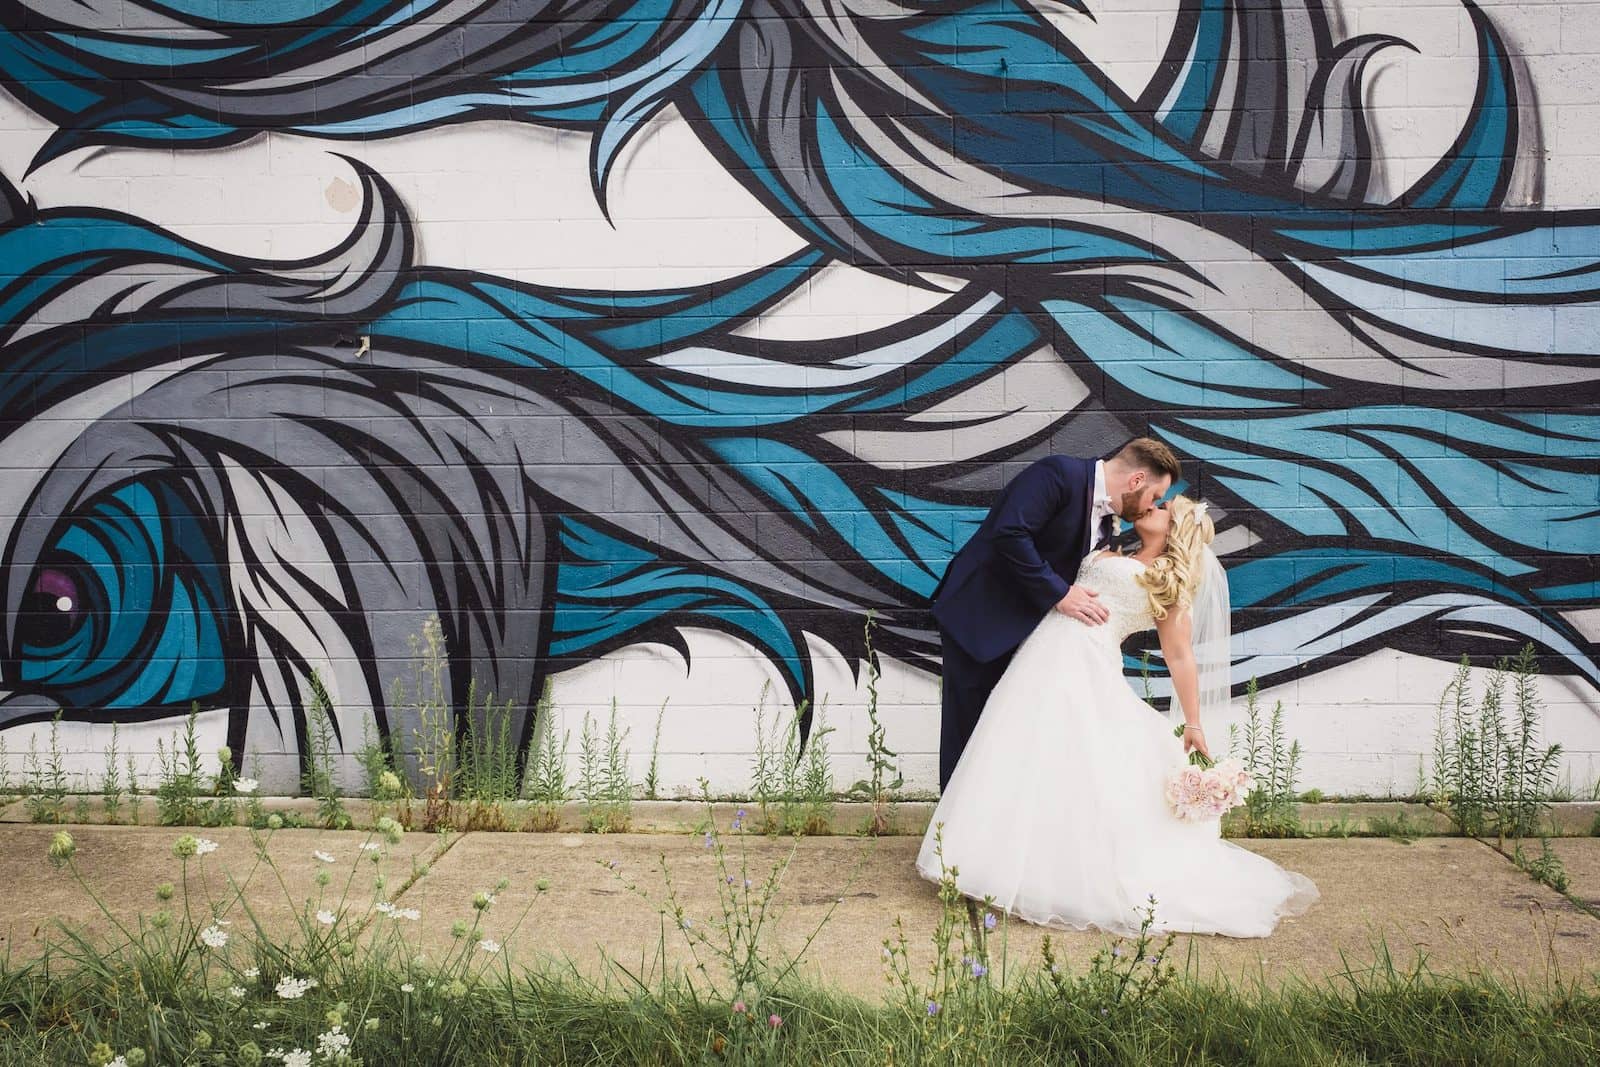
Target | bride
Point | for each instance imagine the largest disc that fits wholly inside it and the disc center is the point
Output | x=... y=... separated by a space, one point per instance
x=1056 y=810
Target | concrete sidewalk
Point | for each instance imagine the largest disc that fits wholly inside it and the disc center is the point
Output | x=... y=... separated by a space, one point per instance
x=1456 y=900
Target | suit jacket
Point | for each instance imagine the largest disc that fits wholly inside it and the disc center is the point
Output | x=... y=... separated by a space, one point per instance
x=1004 y=580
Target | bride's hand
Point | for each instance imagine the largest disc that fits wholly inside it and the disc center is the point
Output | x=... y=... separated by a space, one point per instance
x=1194 y=737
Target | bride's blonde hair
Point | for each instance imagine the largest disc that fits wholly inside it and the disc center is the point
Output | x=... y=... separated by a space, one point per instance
x=1172 y=578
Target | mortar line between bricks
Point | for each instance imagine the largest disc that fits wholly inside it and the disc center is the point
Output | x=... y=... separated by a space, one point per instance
x=1582 y=905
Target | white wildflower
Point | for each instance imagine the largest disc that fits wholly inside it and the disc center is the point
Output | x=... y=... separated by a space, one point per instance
x=118 y=1061
x=214 y=937
x=406 y=913
x=204 y=846
x=297 y=1058
x=491 y=947
x=370 y=846
x=252 y=972
x=236 y=992
x=383 y=907
x=245 y=785
x=333 y=1044
x=326 y=917
x=322 y=856
x=294 y=988
x=407 y=987
x=262 y=1025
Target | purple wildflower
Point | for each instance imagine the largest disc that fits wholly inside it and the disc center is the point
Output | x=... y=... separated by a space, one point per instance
x=988 y=921
x=979 y=970
x=933 y=1007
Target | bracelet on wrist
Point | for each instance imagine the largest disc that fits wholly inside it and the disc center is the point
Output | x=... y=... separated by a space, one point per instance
x=1192 y=726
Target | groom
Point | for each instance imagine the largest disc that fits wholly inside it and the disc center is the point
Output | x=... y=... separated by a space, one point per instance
x=1019 y=564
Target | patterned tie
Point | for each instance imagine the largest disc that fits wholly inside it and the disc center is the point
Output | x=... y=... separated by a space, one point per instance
x=1105 y=530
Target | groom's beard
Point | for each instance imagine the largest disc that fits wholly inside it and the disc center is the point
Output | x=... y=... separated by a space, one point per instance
x=1128 y=508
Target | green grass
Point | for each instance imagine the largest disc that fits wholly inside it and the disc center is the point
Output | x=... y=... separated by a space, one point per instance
x=551 y=1017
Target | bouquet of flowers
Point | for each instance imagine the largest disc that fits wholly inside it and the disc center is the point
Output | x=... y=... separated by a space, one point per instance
x=1205 y=789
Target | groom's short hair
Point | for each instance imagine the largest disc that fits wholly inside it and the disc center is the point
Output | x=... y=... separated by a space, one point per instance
x=1148 y=454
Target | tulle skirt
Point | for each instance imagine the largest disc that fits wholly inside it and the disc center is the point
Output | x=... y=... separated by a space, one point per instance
x=1056 y=808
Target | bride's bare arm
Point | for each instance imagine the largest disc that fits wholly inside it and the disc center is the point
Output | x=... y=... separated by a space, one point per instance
x=1178 y=652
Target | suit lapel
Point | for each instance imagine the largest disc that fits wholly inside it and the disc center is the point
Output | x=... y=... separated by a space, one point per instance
x=1088 y=509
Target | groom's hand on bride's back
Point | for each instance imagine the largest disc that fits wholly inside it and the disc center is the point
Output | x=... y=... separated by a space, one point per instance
x=1084 y=605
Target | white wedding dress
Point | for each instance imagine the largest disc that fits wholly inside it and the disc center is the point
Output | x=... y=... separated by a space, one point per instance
x=1056 y=808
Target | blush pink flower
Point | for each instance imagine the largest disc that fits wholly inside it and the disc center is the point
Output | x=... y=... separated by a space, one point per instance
x=1195 y=793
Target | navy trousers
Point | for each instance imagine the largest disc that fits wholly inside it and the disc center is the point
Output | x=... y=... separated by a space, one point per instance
x=967 y=684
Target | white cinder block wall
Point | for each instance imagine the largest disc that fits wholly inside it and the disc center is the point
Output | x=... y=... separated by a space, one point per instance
x=510 y=198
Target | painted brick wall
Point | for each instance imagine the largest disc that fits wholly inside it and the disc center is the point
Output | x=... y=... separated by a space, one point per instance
x=650 y=353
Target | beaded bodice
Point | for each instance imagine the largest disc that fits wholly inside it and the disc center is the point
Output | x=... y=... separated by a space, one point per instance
x=1111 y=576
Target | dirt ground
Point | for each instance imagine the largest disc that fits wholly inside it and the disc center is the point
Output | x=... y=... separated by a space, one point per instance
x=1457 y=902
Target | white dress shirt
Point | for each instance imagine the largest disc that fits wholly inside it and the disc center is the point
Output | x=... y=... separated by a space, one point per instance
x=1102 y=500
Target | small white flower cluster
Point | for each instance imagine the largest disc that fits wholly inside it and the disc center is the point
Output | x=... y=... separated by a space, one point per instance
x=333 y=1044
x=252 y=972
x=214 y=937
x=407 y=987
x=204 y=846
x=245 y=785
x=117 y=1061
x=491 y=947
x=370 y=846
x=322 y=856
x=326 y=917
x=293 y=1058
x=236 y=992
x=384 y=907
x=294 y=988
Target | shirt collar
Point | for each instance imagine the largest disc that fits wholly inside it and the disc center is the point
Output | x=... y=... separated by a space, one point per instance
x=1100 y=494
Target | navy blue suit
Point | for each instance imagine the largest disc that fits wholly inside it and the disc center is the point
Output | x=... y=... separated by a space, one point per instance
x=1016 y=568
